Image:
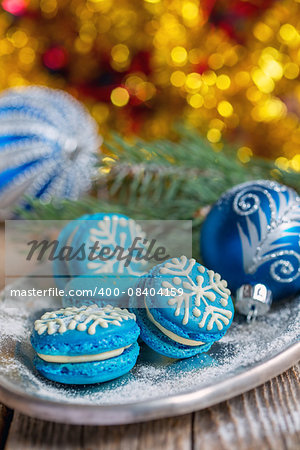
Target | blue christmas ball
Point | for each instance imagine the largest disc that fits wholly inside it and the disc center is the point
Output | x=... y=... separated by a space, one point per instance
x=252 y=235
x=48 y=145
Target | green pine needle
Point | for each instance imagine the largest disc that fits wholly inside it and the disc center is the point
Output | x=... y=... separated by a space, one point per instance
x=161 y=180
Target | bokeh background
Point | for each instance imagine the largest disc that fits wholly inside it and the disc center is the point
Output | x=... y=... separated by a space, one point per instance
x=228 y=68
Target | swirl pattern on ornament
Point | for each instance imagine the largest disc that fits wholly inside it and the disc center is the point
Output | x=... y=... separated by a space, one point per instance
x=266 y=235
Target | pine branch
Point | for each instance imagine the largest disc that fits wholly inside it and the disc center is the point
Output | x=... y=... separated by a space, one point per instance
x=187 y=174
x=162 y=179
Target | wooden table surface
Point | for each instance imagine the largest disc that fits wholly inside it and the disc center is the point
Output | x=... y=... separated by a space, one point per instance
x=267 y=417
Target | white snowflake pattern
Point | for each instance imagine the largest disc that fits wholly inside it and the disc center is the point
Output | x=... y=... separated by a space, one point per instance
x=181 y=268
x=72 y=318
x=107 y=233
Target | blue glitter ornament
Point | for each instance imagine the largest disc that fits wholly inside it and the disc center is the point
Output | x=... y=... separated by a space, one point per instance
x=252 y=238
x=48 y=145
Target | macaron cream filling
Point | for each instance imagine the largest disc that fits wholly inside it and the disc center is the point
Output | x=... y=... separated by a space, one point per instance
x=85 y=319
x=83 y=358
x=170 y=334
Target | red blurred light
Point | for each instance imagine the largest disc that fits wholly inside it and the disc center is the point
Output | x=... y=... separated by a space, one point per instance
x=15 y=7
x=55 y=58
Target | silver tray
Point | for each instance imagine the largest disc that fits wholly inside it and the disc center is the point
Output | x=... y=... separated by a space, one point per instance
x=157 y=387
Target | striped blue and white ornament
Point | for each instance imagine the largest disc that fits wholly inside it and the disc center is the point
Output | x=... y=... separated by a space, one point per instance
x=48 y=146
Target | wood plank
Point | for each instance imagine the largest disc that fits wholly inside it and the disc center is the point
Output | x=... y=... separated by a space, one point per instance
x=6 y=416
x=30 y=434
x=27 y=433
x=267 y=417
x=173 y=433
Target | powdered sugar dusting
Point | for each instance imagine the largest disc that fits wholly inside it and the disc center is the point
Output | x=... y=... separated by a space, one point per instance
x=154 y=376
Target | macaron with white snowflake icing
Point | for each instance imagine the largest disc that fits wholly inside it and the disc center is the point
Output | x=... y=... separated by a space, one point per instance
x=183 y=308
x=111 y=231
x=102 y=247
x=85 y=345
x=60 y=265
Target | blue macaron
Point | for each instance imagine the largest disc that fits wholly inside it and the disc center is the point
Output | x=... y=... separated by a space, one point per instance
x=112 y=232
x=102 y=247
x=60 y=266
x=85 y=345
x=182 y=308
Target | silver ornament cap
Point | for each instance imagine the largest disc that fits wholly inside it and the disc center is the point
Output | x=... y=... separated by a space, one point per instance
x=253 y=300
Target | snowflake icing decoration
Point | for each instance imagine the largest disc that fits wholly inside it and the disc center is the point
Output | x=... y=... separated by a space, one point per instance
x=73 y=318
x=181 y=269
x=107 y=233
